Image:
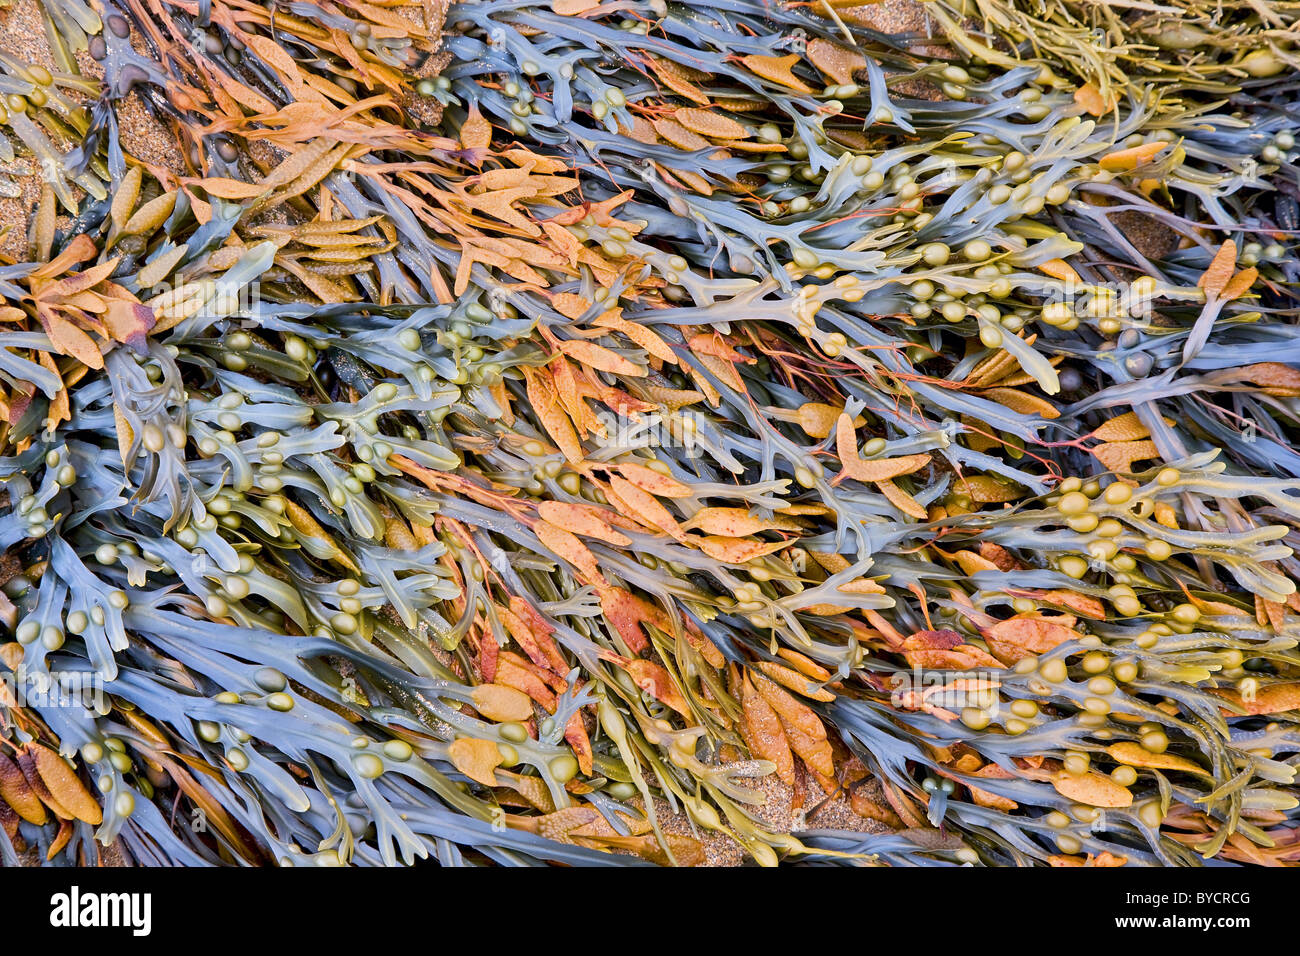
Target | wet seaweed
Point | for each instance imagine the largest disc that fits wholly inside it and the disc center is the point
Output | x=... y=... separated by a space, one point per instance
x=486 y=447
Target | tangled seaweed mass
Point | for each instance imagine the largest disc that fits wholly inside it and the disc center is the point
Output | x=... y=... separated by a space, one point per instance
x=540 y=438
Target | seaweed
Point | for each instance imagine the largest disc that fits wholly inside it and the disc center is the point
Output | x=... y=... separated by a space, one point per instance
x=481 y=447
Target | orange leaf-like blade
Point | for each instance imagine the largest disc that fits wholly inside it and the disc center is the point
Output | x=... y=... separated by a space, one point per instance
x=1219 y=274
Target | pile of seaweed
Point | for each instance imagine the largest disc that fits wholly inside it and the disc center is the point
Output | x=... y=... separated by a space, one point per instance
x=526 y=440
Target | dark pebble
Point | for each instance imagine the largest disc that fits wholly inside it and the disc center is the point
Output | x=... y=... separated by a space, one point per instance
x=1071 y=380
